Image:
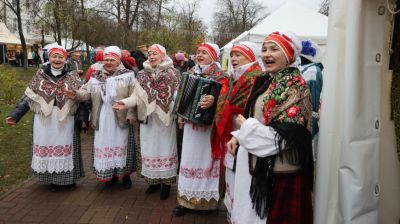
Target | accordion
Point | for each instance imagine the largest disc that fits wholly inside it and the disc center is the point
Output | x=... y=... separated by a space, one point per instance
x=187 y=104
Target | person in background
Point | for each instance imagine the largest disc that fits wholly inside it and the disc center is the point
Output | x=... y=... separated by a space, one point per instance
x=140 y=56
x=183 y=64
x=311 y=70
x=113 y=149
x=153 y=96
x=75 y=63
x=56 y=156
x=199 y=172
x=128 y=61
x=45 y=56
x=274 y=163
x=96 y=66
x=245 y=69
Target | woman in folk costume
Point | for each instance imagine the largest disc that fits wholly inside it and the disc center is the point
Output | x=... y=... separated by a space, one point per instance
x=274 y=168
x=230 y=103
x=311 y=70
x=198 y=186
x=153 y=96
x=113 y=149
x=56 y=157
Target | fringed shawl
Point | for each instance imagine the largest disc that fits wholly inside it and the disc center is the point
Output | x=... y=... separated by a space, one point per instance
x=287 y=109
x=156 y=88
x=46 y=91
x=121 y=78
x=231 y=102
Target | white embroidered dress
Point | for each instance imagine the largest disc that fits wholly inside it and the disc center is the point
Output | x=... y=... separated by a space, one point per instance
x=52 y=149
x=255 y=138
x=158 y=133
x=229 y=158
x=110 y=140
x=196 y=178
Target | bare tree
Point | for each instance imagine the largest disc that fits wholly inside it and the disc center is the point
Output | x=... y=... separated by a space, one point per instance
x=190 y=25
x=15 y=6
x=235 y=17
x=324 y=8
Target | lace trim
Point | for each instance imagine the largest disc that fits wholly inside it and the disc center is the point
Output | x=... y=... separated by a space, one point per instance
x=198 y=195
x=109 y=157
x=53 y=165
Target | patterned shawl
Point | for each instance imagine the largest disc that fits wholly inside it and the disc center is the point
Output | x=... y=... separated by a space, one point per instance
x=231 y=102
x=158 y=87
x=287 y=109
x=102 y=75
x=46 y=90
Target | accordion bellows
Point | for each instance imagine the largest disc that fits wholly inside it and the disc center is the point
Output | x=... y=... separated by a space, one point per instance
x=187 y=104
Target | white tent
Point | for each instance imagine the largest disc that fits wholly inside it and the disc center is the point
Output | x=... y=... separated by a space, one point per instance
x=6 y=37
x=358 y=173
x=291 y=16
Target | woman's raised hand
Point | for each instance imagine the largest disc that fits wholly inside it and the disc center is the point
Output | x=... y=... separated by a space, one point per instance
x=119 y=105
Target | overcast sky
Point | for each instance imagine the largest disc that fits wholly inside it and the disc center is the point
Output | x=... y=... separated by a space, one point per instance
x=207 y=7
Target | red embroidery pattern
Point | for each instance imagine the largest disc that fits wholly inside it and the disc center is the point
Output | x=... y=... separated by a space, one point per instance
x=102 y=77
x=52 y=150
x=110 y=152
x=229 y=195
x=42 y=85
x=199 y=173
x=161 y=88
x=158 y=163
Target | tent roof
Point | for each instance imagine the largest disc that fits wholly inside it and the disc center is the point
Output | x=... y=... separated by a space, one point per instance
x=293 y=17
x=296 y=18
x=6 y=37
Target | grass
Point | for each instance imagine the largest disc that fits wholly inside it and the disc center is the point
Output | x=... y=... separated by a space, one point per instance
x=15 y=141
x=15 y=150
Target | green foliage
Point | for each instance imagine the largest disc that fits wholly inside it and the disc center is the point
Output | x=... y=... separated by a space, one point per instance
x=11 y=88
x=15 y=150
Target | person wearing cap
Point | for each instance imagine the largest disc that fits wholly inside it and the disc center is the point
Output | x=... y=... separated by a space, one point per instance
x=311 y=69
x=113 y=149
x=153 y=96
x=199 y=172
x=56 y=156
x=274 y=166
x=75 y=63
x=245 y=69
